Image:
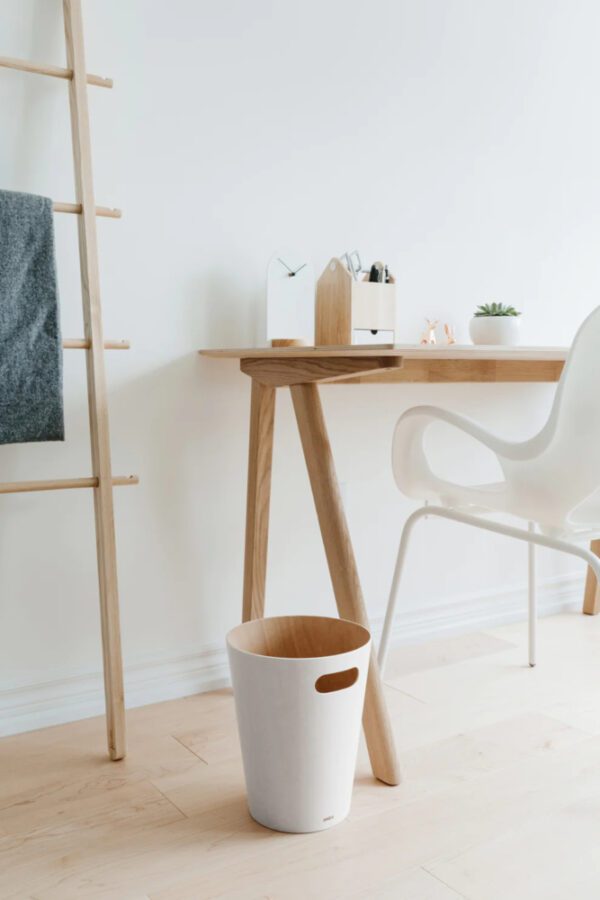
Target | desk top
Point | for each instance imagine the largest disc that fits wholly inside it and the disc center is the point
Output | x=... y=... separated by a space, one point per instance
x=406 y=351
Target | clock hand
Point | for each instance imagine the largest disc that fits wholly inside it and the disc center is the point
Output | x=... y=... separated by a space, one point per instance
x=286 y=265
x=298 y=270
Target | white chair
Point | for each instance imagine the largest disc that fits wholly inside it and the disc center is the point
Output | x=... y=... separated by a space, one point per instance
x=551 y=481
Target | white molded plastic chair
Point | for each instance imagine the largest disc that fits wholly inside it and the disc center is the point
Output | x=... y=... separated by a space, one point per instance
x=552 y=480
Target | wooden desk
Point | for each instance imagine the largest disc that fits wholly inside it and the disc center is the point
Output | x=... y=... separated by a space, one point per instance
x=302 y=370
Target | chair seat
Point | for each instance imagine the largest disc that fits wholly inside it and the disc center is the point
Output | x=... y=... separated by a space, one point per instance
x=490 y=497
x=494 y=497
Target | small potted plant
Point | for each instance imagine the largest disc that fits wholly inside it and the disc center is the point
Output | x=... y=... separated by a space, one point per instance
x=495 y=323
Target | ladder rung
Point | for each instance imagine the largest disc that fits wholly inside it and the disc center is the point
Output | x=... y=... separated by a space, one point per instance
x=24 y=65
x=83 y=344
x=105 y=211
x=62 y=484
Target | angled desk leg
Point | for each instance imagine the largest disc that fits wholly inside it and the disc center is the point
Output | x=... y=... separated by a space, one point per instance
x=591 y=596
x=260 y=455
x=342 y=568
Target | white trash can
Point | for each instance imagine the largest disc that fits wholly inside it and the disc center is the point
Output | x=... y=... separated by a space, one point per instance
x=299 y=687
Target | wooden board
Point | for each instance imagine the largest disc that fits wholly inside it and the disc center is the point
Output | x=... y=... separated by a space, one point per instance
x=96 y=380
x=501 y=790
x=258 y=498
x=407 y=351
x=456 y=371
x=342 y=569
x=399 y=364
x=323 y=370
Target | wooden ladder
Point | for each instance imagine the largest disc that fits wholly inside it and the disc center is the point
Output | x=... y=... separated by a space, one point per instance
x=102 y=480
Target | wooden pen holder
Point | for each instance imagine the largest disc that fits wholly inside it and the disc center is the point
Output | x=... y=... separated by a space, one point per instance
x=353 y=312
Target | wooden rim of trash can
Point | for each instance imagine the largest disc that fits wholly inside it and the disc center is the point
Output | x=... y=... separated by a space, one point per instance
x=298 y=637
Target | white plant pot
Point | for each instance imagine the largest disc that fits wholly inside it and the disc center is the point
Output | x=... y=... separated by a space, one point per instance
x=503 y=330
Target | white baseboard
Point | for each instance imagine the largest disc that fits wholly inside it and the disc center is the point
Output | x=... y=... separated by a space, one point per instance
x=62 y=700
x=81 y=696
x=483 y=609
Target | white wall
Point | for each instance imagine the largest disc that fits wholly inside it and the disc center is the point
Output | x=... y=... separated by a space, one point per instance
x=457 y=140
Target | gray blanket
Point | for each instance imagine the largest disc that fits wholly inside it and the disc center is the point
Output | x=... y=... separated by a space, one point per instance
x=31 y=401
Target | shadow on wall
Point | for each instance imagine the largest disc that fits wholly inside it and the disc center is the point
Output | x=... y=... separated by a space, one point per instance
x=174 y=531
x=41 y=96
x=169 y=414
x=214 y=309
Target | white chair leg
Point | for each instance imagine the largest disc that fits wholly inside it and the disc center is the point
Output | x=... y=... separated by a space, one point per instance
x=532 y=537
x=391 y=607
x=531 y=597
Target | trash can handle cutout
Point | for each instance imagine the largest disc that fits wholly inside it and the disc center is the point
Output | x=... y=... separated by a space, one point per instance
x=336 y=681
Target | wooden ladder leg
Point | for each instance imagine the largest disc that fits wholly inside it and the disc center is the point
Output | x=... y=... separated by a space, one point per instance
x=96 y=379
x=342 y=568
x=260 y=456
x=591 y=596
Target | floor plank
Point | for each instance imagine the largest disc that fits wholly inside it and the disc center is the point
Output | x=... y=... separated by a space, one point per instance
x=500 y=798
x=548 y=857
x=417 y=884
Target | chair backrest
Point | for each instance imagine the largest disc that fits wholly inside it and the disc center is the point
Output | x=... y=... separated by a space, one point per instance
x=565 y=455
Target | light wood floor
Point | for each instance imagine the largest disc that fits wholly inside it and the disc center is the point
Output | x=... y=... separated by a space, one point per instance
x=501 y=798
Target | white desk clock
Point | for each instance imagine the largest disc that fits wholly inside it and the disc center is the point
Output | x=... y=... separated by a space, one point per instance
x=290 y=298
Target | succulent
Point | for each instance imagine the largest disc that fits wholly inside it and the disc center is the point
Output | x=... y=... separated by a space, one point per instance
x=496 y=309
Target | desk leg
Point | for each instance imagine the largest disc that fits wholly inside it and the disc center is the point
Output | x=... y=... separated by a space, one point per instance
x=260 y=455
x=342 y=568
x=591 y=597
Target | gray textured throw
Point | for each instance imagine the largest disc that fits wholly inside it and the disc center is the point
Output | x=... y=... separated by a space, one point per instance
x=31 y=400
